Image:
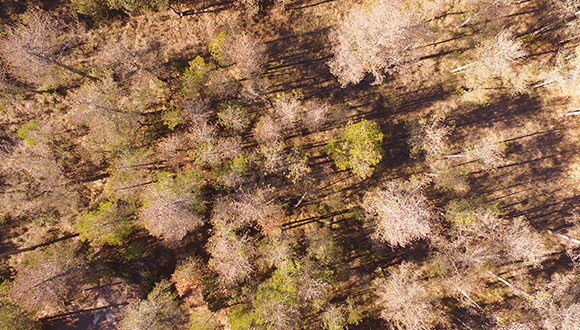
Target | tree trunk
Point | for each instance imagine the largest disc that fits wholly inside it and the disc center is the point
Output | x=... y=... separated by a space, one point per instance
x=62 y=65
x=565 y=237
x=517 y=291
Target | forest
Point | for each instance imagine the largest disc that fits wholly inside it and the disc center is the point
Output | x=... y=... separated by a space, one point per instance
x=289 y=164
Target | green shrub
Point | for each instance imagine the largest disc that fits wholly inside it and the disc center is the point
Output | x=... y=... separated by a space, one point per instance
x=232 y=116
x=195 y=76
x=110 y=224
x=26 y=132
x=359 y=149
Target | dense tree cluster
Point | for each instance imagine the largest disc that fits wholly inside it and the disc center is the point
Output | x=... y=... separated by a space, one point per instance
x=251 y=165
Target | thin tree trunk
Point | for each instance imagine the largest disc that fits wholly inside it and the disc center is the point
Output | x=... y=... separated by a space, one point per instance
x=461 y=68
x=517 y=290
x=454 y=156
x=573 y=113
x=546 y=82
x=62 y=65
x=566 y=237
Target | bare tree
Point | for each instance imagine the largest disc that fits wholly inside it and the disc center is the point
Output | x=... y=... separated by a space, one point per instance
x=378 y=37
x=557 y=302
x=315 y=114
x=494 y=60
x=231 y=253
x=47 y=278
x=288 y=109
x=567 y=12
x=249 y=54
x=33 y=49
x=489 y=151
x=566 y=76
x=400 y=212
x=267 y=130
x=168 y=209
x=429 y=135
x=404 y=300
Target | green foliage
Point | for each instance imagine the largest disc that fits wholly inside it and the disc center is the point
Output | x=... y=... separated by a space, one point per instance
x=449 y=177
x=354 y=313
x=133 y=7
x=187 y=183
x=276 y=299
x=297 y=164
x=172 y=118
x=242 y=319
x=217 y=49
x=230 y=174
x=12 y=317
x=465 y=211
x=206 y=154
x=94 y=8
x=359 y=149
x=333 y=319
x=194 y=77
x=160 y=311
x=27 y=132
x=233 y=116
x=203 y=321
x=110 y=224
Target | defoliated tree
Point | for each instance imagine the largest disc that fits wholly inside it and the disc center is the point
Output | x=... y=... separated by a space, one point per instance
x=479 y=240
x=32 y=49
x=376 y=37
x=267 y=130
x=132 y=7
x=359 y=149
x=401 y=213
x=160 y=311
x=46 y=279
x=405 y=301
x=94 y=8
x=170 y=208
x=13 y=317
x=494 y=60
x=96 y=105
x=429 y=135
x=250 y=209
x=232 y=254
